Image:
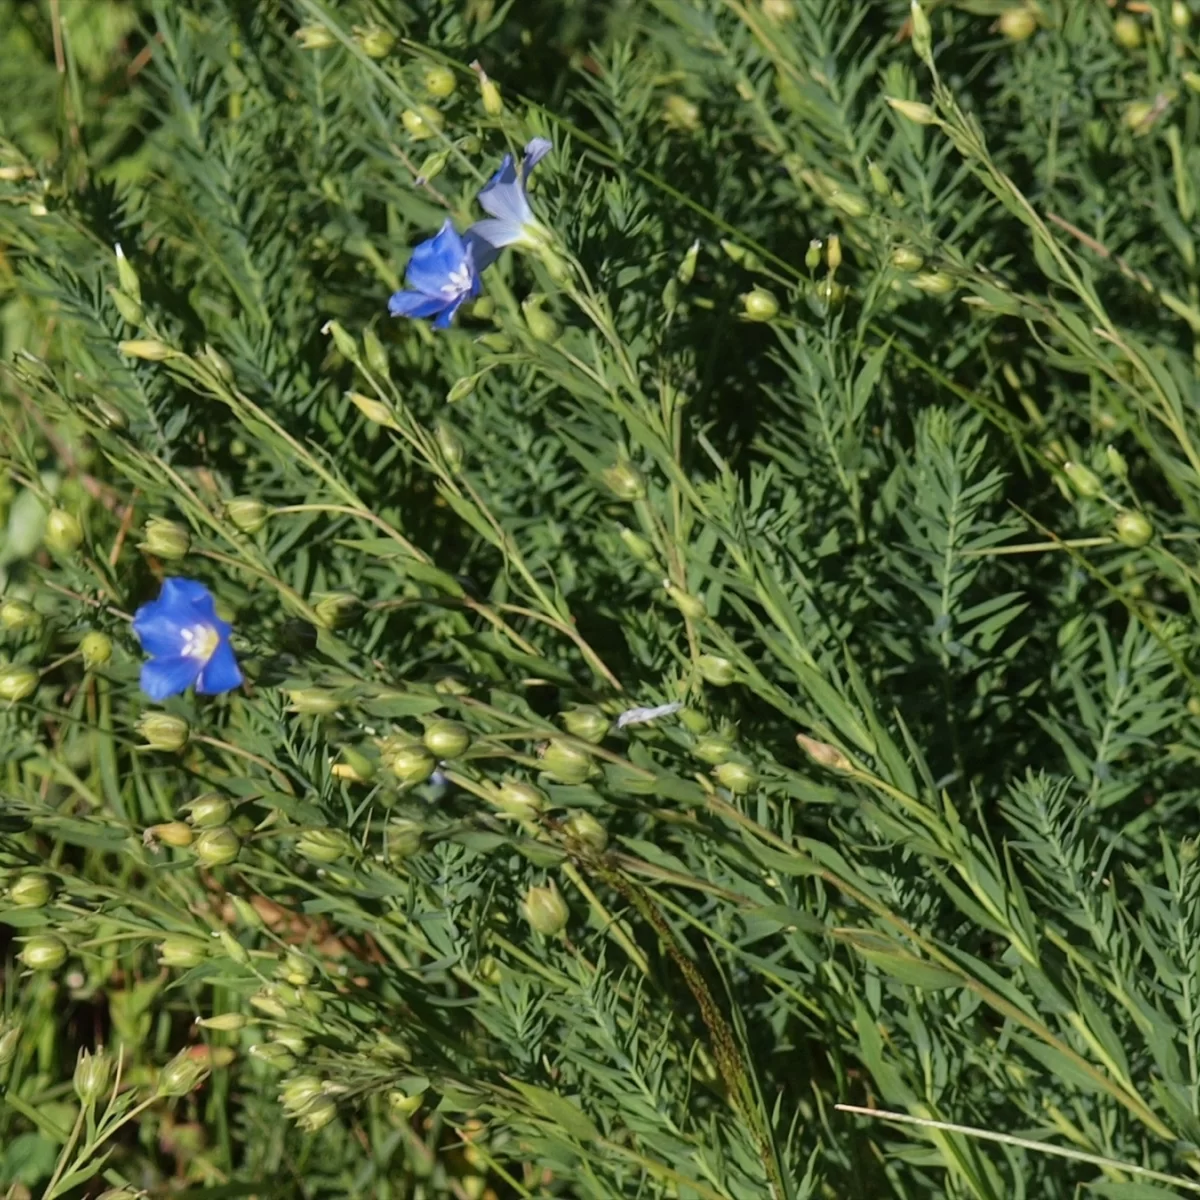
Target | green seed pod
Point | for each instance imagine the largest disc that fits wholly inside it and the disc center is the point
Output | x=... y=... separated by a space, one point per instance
x=520 y=799
x=691 y=606
x=736 y=776
x=933 y=283
x=63 y=533
x=44 y=952
x=93 y=1073
x=131 y=311
x=170 y=833
x=433 y=165
x=440 y=82
x=95 y=648
x=317 y=1115
x=624 y=480
x=18 y=615
x=1133 y=529
x=1085 y=481
x=447 y=739
x=163 y=731
x=299 y=1092
x=337 y=610
x=31 y=890
x=165 y=539
x=246 y=513
x=566 y=763
x=324 y=845
x=713 y=748
x=316 y=37
x=586 y=722
x=181 y=951
x=412 y=765
x=247 y=914
x=17 y=682
x=403 y=837
x=206 y=811
x=585 y=828
x=422 y=123
x=217 y=847
x=759 y=305
x=1017 y=24
x=913 y=110
x=546 y=910
x=637 y=545
x=375 y=42
x=1127 y=32
x=147 y=349
x=224 y=1022
x=181 y=1075
x=10 y=1041
x=313 y=701
x=714 y=669
x=462 y=388
x=449 y=443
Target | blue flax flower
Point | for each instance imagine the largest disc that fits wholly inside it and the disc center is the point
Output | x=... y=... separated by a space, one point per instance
x=441 y=275
x=187 y=642
x=503 y=197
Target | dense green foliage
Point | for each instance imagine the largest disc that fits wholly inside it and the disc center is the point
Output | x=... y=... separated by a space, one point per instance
x=868 y=433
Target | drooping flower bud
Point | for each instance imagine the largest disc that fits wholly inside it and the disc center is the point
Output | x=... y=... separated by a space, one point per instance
x=17 y=682
x=93 y=1073
x=63 y=532
x=759 y=305
x=164 y=539
x=246 y=513
x=714 y=669
x=375 y=41
x=1133 y=529
x=43 y=952
x=546 y=910
x=182 y=1074
x=316 y=37
x=447 y=739
x=224 y=1022
x=19 y=615
x=181 y=951
x=565 y=762
x=324 y=845
x=585 y=828
x=423 y=122
x=31 y=890
x=217 y=847
x=624 y=480
x=164 y=731
x=736 y=776
x=95 y=648
x=520 y=799
x=209 y=810
x=586 y=722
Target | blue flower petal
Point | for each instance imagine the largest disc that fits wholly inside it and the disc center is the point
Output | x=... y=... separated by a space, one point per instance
x=503 y=196
x=443 y=322
x=163 y=677
x=415 y=304
x=160 y=633
x=491 y=236
x=221 y=673
x=535 y=151
x=435 y=260
x=179 y=592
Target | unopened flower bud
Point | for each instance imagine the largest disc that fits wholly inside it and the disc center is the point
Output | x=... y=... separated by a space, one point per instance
x=447 y=739
x=759 y=305
x=681 y=113
x=422 y=123
x=246 y=513
x=823 y=753
x=1181 y=14
x=403 y=1103
x=19 y=615
x=879 y=181
x=586 y=722
x=546 y=910
x=449 y=443
x=127 y=276
x=275 y=1056
x=440 y=81
x=520 y=799
x=337 y=610
x=565 y=762
x=692 y=607
x=1133 y=529
x=63 y=531
x=852 y=204
x=17 y=682
x=95 y=648
x=268 y=1002
x=355 y=766
x=10 y=1040
x=541 y=324
x=93 y=1073
x=316 y=37
x=224 y=1022
x=624 y=480
x=317 y=1115
x=687 y=269
x=170 y=833
x=713 y=748
x=906 y=259
x=163 y=731
x=412 y=765
x=120 y=1193
x=299 y=1092
x=182 y=1074
x=812 y=256
x=233 y=949
x=217 y=847
x=1085 y=481
x=1018 y=23
x=165 y=539
x=585 y=828
x=181 y=951
x=218 y=362
x=1116 y=462
x=324 y=845
x=375 y=42
x=148 y=349
x=131 y=311
x=637 y=545
x=31 y=890
x=374 y=410
x=737 y=777
x=44 y=952
x=433 y=165
x=778 y=11
x=833 y=252
x=403 y=837
x=913 y=110
x=209 y=810
x=347 y=347
x=461 y=388
x=714 y=669
x=313 y=701
x=1127 y=32
x=934 y=283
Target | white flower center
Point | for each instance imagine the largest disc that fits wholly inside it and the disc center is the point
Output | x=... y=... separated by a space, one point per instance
x=459 y=281
x=200 y=642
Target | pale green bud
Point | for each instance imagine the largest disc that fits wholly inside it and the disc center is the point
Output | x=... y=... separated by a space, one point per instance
x=1127 y=32
x=462 y=388
x=31 y=890
x=520 y=799
x=17 y=682
x=246 y=513
x=681 y=113
x=691 y=606
x=812 y=256
x=565 y=762
x=1018 y=23
x=131 y=311
x=624 y=481
x=403 y=837
x=206 y=811
x=299 y=1092
x=163 y=731
x=164 y=539
x=181 y=1075
x=317 y=1115
x=217 y=847
x=850 y=203
x=127 y=277
x=687 y=269
x=934 y=283
x=546 y=910
x=913 y=110
x=411 y=764
x=270 y=1004
x=449 y=443
x=181 y=951
x=1133 y=529
x=833 y=252
x=759 y=305
x=95 y=648
x=585 y=828
x=823 y=753
x=233 y=949
x=879 y=181
x=337 y=610
x=316 y=37
x=737 y=777
x=44 y=952
x=224 y=1022
x=405 y=1104
x=907 y=259
x=713 y=748
x=346 y=345
x=63 y=532
x=1086 y=482
x=541 y=324
x=93 y=1073
x=1116 y=462
x=440 y=82
x=147 y=349
x=714 y=669
x=375 y=42
x=921 y=34
x=10 y=1041
x=324 y=845
x=586 y=722
x=637 y=545
x=423 y=122
x=170 y=833
x=273 y=1055
x=1181 y=15
x=313 y=701
x=374 y=410
x=19 y=615
x=447 y=739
